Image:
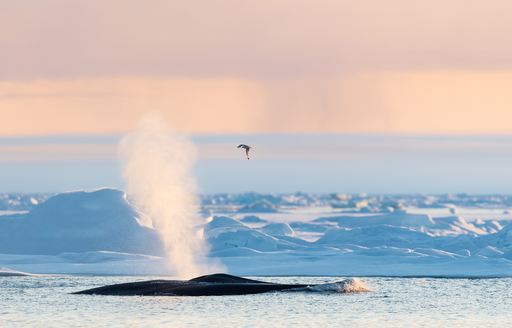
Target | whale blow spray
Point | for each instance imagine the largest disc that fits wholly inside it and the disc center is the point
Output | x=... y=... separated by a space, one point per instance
x=157 y=166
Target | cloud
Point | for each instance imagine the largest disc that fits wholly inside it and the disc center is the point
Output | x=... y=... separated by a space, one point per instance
x=53 y=153
x=413 y=102
x=254 y=39
x=229 y=66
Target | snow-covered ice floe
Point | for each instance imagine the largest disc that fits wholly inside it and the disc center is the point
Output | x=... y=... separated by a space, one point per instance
x=6 y=272
x=299 y=234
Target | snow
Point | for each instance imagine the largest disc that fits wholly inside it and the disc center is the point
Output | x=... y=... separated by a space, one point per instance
x=278 y=229
x=21 y=202
x=252 y=219
x=78 y=222
x=262 y=206
x=56 y=264
x=6 y=272
x=100 y=232
x=223 y=233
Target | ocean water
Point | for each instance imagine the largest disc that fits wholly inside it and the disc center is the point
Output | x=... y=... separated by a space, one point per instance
x=45 y=301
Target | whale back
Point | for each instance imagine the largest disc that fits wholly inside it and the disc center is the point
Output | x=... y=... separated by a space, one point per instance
x=225 y=278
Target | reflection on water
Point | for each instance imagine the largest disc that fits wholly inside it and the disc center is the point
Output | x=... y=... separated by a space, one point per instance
x=394 y=302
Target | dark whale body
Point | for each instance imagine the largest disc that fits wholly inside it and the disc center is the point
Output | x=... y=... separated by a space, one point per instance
x=215 y=284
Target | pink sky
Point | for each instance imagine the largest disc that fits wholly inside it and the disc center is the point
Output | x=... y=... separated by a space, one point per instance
x=398 y=66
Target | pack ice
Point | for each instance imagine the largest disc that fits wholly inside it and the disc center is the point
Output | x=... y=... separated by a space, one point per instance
x=251 y=234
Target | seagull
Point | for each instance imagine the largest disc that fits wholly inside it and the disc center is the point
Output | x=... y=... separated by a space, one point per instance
x=247 y=148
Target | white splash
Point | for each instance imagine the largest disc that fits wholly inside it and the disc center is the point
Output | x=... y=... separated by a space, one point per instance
x=351 y=285
x=157 y=166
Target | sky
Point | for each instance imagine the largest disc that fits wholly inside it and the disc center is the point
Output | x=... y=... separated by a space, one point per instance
x=78 y=74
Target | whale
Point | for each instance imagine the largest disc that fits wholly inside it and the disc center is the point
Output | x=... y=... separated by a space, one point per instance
x=209 y=285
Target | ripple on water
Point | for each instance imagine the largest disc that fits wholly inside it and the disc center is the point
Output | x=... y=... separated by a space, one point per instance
x=408 y=302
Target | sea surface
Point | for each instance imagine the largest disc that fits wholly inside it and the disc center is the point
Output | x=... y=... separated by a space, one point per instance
x=45 y=301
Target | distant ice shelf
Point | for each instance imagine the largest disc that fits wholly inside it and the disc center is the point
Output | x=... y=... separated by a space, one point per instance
x=99 y=232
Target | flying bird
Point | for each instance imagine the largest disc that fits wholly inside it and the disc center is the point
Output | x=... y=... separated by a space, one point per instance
x=247 y=148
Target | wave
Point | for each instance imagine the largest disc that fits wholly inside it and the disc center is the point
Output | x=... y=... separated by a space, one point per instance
x=352 y=285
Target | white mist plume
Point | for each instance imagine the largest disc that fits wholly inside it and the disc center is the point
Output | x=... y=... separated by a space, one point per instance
x=157 y=169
